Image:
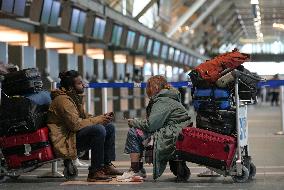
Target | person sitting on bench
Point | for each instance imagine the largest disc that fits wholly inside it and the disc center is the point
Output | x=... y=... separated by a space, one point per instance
x=72 y=130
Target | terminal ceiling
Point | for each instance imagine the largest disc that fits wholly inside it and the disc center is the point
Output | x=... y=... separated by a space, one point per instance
x=229 y=22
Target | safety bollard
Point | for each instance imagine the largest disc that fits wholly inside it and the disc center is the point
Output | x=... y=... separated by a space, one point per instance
x=89 y=110
x=89 y=100
x=282 y=111
x=54 y=172
x=104 y=100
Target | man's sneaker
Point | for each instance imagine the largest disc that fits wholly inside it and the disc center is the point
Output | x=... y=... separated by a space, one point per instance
x=132 y=176
x=208 y=173
x=111 y=171
x=98 y=176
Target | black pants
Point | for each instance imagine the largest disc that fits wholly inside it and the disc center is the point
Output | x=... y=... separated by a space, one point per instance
x=101 y=140
x=275 y=98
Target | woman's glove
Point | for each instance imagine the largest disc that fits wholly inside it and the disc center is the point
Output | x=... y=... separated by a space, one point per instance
x=130 y=122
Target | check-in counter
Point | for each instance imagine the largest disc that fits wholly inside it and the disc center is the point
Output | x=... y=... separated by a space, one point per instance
x=22 y=56
x=120 y=94
x=98 y=97
x=47 y=61
x=137 y=98
x=3 y=52
x=131 y=98
x=104 y=67
x=86 y=69
x=68 y=62
x=98 y=76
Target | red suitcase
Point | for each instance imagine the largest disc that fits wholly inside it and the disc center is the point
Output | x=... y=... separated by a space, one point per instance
x=206 y=147
x=26 y=149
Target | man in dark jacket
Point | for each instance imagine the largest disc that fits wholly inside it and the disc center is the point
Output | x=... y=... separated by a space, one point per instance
x=72 y=130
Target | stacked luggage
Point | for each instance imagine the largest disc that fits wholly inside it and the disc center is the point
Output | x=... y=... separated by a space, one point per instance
x=23 y=132
x=22 y=82
x=213 y=142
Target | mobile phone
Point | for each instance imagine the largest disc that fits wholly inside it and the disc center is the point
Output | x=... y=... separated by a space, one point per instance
x=111 y=114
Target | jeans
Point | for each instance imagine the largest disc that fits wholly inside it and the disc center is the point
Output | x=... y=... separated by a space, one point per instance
x=101 y=140
x=134 y=141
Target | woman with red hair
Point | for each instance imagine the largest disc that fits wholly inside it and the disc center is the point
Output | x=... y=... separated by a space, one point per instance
x=165 y=118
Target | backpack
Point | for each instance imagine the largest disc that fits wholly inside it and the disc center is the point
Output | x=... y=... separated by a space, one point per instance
x=213 y=69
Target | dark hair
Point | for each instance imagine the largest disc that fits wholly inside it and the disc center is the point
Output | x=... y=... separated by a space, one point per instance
x=67 y=78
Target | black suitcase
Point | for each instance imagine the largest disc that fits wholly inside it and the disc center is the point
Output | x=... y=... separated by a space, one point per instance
x=22 y=75
x=219 y=121
x=21 y=115
x=247 y=82
x=23 y=86
x=248 y=85
x=22 y=82
x=197 y=81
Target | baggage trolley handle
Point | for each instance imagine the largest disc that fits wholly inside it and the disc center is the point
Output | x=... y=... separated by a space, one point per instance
x=242 y=132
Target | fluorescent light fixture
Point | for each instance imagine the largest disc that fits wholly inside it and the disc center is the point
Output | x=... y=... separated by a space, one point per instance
x=58 y=44
x=120 y=58
x=66 y=51
x=276 y=25
x=254 y=2
x=139 y=61
x=96 y=53
x=13 y=36
x=51 y=42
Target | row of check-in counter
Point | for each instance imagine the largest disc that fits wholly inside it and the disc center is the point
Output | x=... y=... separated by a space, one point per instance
x=128 y=102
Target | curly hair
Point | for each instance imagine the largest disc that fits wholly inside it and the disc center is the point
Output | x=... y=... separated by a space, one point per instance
x=158 y=82
x=67 y=78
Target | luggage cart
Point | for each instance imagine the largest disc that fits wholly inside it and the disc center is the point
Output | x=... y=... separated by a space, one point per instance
x=242 y=168
x=15 y=173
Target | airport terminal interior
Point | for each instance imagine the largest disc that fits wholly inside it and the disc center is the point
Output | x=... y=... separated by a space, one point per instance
x=116 y=46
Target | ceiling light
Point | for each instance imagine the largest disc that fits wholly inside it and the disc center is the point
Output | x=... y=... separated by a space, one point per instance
x=120 y=58
x=66 y=51
x=254 y=2
x=276 y=25
x=95 y=53
x=139 y=61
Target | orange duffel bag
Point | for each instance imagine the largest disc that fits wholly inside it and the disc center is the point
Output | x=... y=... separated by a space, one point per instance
x=213 y=69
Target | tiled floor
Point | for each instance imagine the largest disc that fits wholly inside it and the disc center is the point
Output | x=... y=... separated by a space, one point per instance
x=265 y=147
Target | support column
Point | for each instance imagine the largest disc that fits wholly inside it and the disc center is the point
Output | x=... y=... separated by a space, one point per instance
x=37 y=40
x=79 y=48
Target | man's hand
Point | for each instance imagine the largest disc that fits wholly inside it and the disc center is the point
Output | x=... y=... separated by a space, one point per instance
x=110 y=114
x=103 y=119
